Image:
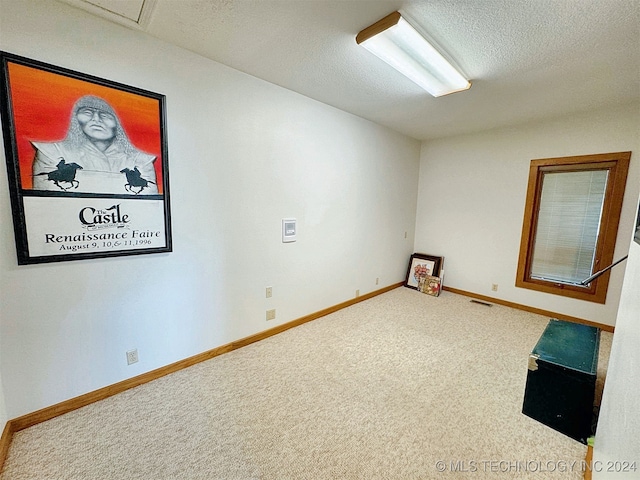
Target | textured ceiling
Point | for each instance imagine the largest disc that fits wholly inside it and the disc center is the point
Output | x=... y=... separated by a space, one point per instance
x=527 y=59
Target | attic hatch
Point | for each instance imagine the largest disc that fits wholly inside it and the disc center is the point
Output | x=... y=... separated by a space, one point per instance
x=132 y=13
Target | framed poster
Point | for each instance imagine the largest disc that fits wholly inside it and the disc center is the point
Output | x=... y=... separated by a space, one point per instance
x=87 y=164
x=420 y=267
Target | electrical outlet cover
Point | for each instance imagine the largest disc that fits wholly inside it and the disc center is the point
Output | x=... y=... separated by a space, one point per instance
x=132 y=356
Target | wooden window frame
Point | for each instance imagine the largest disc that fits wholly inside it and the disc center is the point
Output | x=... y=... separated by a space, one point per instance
x=618 y=166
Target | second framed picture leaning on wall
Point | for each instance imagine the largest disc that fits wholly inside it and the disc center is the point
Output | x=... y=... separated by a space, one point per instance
x=86 y=161
x=424 y=273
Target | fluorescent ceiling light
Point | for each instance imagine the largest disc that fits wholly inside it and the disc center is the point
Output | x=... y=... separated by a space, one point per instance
x=395 y=41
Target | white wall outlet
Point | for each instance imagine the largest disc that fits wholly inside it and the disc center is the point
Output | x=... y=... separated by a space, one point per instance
x=269 y=292
x=271 y=314
x=494 y=287
x=357 y=293
x=132 y=356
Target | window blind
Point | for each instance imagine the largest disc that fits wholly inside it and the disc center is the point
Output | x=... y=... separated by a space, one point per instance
x=568 y=225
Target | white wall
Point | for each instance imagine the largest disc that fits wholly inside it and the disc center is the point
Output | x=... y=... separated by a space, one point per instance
x=472 y=196
x=243 y=154
x=617 y=441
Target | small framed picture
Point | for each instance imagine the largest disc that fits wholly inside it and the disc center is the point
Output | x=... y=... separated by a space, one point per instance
x=420 y=267
x=430 y=285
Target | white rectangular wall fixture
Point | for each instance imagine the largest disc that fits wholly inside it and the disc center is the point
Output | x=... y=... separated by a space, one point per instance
x=289 y=229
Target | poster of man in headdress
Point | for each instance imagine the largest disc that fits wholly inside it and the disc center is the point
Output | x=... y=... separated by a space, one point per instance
x=87 y=164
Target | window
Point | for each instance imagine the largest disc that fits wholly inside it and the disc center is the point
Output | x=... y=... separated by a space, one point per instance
x=571 y=222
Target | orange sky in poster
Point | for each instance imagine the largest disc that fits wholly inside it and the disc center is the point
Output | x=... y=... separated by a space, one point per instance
x=42 y=103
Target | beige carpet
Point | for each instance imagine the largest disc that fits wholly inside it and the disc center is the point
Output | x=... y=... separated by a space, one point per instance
x=384 y=389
